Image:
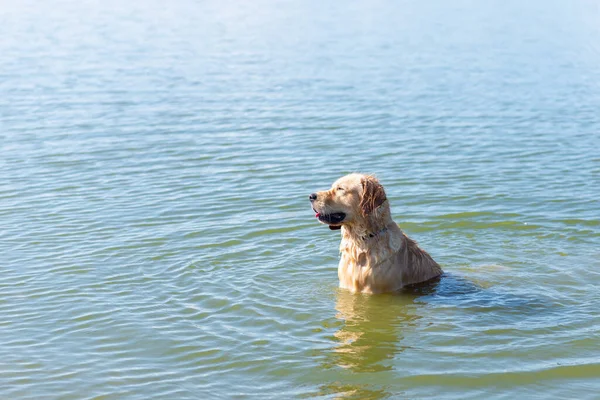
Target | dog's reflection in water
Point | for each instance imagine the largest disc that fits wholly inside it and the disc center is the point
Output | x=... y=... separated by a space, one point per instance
x=370 y=338
x=376 y=329
x=374 y=326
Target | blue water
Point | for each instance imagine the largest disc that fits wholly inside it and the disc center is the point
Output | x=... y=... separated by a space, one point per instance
x=155 y=163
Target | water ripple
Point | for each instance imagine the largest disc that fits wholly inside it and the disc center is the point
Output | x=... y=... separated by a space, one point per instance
x=156 y=161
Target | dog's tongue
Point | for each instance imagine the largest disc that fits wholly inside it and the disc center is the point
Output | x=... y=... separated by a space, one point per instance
x=317 y=215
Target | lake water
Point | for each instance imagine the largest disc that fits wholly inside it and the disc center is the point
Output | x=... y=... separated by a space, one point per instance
x=155 y=163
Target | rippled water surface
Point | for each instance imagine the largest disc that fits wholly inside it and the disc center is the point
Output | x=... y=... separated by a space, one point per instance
x=157 y=240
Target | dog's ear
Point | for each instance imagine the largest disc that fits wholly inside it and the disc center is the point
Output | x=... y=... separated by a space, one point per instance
x=373 y=195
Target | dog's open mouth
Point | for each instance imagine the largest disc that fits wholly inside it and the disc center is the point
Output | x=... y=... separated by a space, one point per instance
x=333 y=220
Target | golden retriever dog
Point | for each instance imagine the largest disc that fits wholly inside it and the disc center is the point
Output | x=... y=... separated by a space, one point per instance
x=376 y=256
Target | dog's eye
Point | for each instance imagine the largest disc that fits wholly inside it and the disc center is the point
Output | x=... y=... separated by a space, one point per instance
x=339 y=189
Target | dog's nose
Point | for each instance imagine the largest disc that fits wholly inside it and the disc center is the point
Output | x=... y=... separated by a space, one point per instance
x=312 y=197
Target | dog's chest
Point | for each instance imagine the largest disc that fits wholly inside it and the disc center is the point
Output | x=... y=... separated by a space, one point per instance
x=361 y=273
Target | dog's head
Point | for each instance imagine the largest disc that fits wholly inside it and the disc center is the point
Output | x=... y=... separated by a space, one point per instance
x=352 y=200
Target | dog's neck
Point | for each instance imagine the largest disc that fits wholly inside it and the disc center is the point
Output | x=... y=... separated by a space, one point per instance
x=369 y=226
x=373 y=234
x=365 y=240
x=368 y=241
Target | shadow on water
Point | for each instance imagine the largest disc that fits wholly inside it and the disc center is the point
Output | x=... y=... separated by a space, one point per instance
x=375 y=326
x=452 y=290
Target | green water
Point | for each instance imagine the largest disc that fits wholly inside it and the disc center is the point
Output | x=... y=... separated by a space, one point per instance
x=155 y=164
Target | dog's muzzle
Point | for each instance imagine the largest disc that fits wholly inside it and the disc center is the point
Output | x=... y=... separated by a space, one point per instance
x=333 y=220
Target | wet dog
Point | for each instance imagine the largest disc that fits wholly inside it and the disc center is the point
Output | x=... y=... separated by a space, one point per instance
x=376 y=256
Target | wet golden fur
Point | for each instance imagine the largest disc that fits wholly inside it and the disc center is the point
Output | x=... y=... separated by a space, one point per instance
x=376 y=256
